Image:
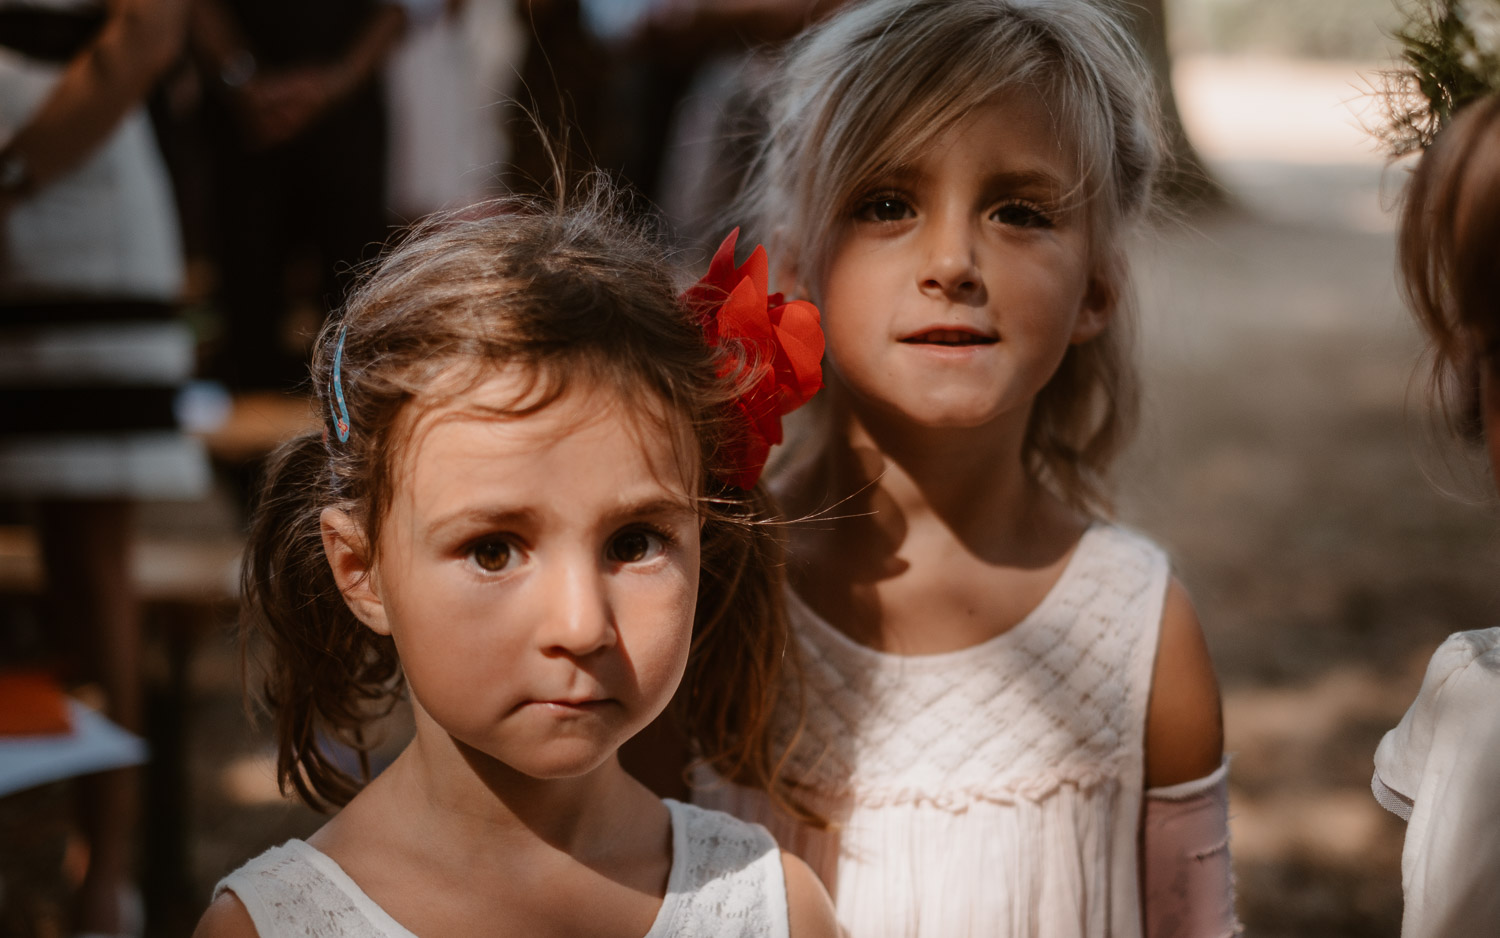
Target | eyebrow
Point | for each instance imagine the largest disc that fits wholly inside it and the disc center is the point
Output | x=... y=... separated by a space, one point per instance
x=480 y=517
x=1023 y=179
x=1001 y=180
x=509 y=517
x=657 y=505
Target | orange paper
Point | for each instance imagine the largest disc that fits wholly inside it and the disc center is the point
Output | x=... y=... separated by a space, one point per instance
x=32 y=703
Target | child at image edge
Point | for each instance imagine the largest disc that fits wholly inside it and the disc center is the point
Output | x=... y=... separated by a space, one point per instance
x=1009 y=722
x=1440 y=767
x=516 y=508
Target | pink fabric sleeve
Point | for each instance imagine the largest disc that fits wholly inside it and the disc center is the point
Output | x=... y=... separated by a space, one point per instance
x=1188 y=886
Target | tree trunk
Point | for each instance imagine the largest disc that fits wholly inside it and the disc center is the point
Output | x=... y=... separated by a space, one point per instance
x=1188 y=183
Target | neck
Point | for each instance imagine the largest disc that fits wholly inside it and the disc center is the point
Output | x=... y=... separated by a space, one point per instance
x=966 y=477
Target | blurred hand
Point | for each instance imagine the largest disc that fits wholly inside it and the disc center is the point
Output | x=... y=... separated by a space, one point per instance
x=279 y=106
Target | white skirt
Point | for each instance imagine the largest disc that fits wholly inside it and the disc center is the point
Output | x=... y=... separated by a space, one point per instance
x=108 y=228
x=90 y=266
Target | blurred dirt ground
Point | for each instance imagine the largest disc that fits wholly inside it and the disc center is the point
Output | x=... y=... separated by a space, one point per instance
x=1285 y=460
x=1331 y=536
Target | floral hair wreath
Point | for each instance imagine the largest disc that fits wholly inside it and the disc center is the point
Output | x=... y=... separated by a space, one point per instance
x=1452 y=54
x=774 y=351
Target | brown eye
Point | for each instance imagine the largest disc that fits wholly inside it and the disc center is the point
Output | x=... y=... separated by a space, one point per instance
x=883 y=208
x=492 y=556
x=1022 y=215
x=634 y=546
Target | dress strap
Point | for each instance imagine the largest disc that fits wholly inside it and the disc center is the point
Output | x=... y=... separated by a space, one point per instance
x=726 y=878
x=295 y=889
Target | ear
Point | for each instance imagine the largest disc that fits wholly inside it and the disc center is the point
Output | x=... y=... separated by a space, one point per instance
x=1098 y=307
x=348 y=556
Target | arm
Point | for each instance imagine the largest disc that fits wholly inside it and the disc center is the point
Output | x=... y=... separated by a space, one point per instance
x=102 y=84
x=1187 y=883
x=226 y=918
x=1184 y=721
x=277 y=105
x=809 y=910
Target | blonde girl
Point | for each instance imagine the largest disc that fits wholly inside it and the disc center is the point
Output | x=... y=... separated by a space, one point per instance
x=1012 y=724
x=515 y=516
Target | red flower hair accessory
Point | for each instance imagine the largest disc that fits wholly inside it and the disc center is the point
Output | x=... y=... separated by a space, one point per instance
x=780 y=343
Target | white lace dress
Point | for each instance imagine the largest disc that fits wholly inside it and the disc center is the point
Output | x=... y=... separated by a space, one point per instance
x=726 y=880
x=991 y=792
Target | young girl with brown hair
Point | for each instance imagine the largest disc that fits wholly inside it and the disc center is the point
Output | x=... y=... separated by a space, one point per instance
x=1012 y=724
x=1439 y=769
x=533 y=510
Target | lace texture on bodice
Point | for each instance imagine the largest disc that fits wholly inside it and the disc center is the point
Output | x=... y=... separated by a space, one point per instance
x=990 y=791
x=1056 y=700
x=731 y=883
x=297 y=891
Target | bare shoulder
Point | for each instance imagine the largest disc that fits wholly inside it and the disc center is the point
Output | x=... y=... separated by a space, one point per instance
x=809 y=910
x=1185 y=719
x=226 y=918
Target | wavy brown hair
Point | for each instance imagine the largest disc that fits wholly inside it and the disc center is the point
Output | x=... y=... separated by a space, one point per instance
x=576 y=293
x=866 y=90
x=1450 y=257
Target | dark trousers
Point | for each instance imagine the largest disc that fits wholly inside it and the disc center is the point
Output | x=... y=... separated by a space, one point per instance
x=315 y=203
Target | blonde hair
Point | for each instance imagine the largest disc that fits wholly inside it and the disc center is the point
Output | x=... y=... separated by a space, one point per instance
x=862 y=93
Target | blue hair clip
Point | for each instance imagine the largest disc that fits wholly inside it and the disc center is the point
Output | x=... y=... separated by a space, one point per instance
x=342 y=420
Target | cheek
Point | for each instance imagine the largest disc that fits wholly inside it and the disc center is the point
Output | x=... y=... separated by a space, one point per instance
x=849 y=324
x=659 y=628
x=446 y=633
x=1048 y=304
x=853 y=286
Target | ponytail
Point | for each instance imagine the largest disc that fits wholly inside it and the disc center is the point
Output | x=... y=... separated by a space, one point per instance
x=327 y=673
x=743 y=667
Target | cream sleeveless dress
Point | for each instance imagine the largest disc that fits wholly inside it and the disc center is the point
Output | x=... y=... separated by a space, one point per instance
x=991 y=792
x=726 y=880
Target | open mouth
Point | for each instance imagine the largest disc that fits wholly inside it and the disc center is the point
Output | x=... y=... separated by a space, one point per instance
x=953 y=338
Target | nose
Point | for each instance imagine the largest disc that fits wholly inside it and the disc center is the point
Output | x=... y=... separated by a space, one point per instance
x=579 y=618
x=950 y=262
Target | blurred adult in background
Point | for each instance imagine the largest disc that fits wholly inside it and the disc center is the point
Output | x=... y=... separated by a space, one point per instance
x=562 y=109
x=641 y=88
x=90 y=354
x=297 y=141
x=443 y=84
x=680 y=119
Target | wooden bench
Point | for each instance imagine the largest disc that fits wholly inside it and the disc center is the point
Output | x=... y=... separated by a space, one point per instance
x=188 y=585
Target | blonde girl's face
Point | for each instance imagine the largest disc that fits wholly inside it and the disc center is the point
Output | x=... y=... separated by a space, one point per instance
x=957 y=282
x=539 y=574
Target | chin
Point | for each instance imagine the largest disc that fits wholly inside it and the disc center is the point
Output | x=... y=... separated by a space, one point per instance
x=944 y=414
x=560 y=762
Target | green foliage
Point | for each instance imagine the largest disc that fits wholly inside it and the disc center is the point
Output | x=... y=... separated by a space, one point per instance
x=1448 y=47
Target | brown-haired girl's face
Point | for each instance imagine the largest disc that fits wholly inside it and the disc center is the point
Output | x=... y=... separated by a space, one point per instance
x=539 y=573
x=959 y=281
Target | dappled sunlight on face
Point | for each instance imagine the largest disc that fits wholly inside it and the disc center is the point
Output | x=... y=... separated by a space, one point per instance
x=539 y=572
